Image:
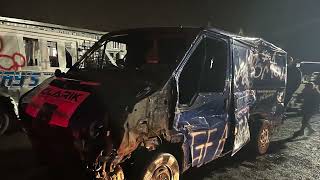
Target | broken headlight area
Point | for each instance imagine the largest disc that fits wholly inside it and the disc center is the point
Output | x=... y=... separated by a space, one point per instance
x=95 y=146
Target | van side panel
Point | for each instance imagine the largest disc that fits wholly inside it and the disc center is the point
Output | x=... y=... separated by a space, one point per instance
x=259 y=86
x=268 y=71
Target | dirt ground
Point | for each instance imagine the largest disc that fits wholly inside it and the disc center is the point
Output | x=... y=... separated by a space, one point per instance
x=287 y=158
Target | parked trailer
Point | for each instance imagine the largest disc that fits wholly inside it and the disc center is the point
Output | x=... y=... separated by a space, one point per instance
x=30 y=52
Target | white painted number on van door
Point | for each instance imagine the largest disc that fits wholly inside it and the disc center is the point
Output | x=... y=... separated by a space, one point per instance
x=205 y=147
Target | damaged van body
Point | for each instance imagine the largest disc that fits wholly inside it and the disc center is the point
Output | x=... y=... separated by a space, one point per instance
x=178 y=98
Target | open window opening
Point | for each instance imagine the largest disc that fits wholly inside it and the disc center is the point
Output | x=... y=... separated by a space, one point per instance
x=190 y=75
x=215 y=66
x=53 y=53
x=68 y=49
x=32 y=51
x=204 y=71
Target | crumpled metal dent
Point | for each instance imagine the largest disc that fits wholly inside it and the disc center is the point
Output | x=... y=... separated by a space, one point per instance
x=149 y=118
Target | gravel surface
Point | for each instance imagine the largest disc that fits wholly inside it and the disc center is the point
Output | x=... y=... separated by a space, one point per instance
x=287 y=158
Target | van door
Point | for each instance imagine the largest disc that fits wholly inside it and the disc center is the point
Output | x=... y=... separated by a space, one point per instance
x=203 y=94
x=242 y=95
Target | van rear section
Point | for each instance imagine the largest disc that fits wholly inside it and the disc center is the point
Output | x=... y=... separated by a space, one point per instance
x=259 y=86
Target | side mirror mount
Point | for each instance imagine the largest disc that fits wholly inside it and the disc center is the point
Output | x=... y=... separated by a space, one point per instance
x=58 y=73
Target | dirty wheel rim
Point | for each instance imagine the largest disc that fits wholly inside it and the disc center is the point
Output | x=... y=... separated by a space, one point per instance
x=4 y=122
x=162 y=173
x=264 y=139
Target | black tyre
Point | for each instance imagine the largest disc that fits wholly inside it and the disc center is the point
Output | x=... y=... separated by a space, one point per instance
x=260 y=132
x=163 y=166
x=4 y=123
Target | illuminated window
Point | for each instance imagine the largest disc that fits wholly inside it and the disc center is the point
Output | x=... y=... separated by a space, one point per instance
x=53 y=54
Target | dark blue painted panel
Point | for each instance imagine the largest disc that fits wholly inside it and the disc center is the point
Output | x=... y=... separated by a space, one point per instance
x=205 y=125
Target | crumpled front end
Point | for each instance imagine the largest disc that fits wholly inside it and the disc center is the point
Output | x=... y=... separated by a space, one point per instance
x=145 y=124
x=56 y=114
x=73 y=120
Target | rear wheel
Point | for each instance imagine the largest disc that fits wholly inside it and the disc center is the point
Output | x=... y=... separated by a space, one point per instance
x=163 y=166
x=4 y=122
x=260 y=137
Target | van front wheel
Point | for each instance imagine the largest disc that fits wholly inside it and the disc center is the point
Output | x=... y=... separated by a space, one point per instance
x=163 y=166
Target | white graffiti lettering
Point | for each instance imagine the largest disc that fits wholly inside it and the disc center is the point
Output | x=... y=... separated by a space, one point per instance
x=242 y=133
x=222 y=142
x=203 y=153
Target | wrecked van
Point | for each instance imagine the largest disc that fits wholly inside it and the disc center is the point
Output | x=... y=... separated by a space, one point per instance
x=178 y=98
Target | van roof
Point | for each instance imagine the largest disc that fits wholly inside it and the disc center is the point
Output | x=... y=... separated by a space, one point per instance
x=251 y=41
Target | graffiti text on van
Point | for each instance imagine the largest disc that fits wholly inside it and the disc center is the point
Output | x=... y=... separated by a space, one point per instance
x=13 y=79
x=210 y=148
x=62 y=94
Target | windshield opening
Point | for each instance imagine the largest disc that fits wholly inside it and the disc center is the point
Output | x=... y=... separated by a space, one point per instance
x=138 y=51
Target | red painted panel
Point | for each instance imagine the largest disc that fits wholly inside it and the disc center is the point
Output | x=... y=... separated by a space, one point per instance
x=66 y=101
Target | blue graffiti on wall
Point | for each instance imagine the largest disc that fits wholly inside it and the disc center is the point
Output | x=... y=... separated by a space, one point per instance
x=20 y=79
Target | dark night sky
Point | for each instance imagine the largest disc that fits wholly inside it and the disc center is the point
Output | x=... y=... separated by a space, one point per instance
x=293 y=25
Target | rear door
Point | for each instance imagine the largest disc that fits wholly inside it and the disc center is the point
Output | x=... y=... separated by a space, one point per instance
x=203 y=95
